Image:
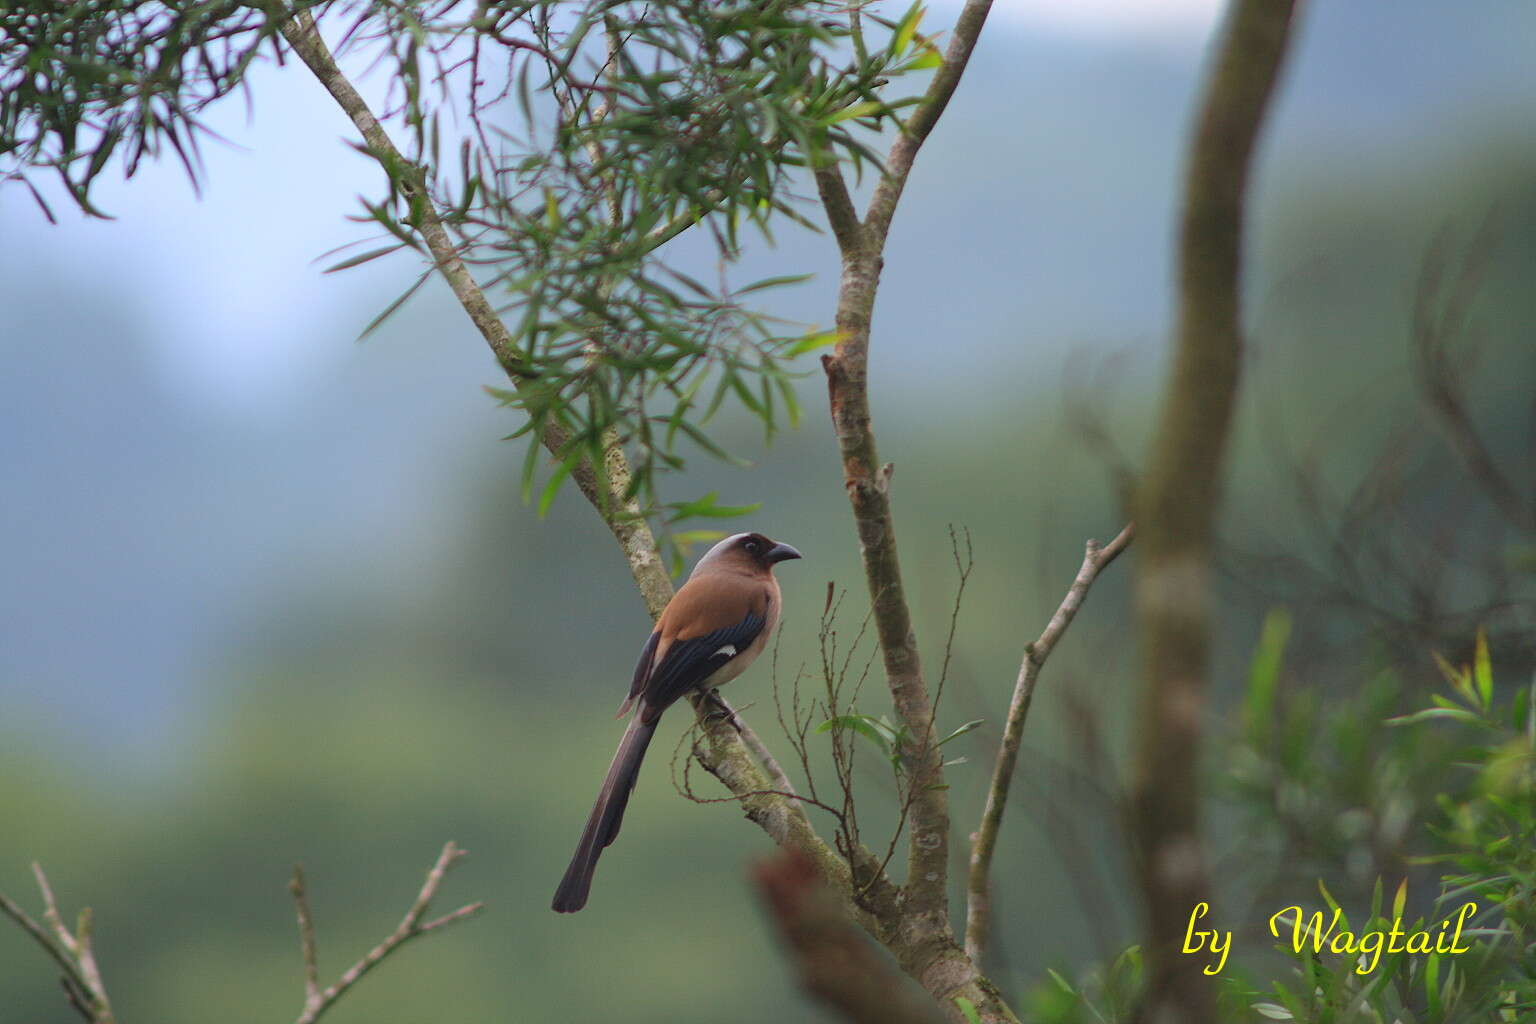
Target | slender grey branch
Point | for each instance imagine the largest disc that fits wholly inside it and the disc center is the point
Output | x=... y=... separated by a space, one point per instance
x=73 y=952
x=306 y=937
x=923 y=936
x=727 y=757
x=316 y=1003
x=898 y=164
x=841 y=214
x=984 y=839
x=622 y=518
x=777 y=777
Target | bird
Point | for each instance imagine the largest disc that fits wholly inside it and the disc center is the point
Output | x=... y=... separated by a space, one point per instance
x=715 y=626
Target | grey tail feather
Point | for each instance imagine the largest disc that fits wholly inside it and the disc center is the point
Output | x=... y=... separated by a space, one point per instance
x=607 y=814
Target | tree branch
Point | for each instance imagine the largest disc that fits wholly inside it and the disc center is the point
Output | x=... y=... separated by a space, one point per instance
x=984 y=840
x=923 y=939
x=1178 y=500
x=622 y=517
x=72 y=951
x=898 y=163
x=726 y=758
x=316 y=1002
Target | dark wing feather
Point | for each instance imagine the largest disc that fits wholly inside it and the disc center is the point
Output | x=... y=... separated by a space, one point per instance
x=688 y=663
x=642 y=673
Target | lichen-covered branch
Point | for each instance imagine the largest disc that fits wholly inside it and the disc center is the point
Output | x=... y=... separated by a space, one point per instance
x=622 y=517
x=868 y=481
x=725 y=754
x=978 y=921
x=1176 y=506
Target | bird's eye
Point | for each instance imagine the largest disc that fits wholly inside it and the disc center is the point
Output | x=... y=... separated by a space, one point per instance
x=753 y=547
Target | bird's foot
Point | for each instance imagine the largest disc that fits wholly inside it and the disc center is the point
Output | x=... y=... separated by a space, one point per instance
x=720 y=709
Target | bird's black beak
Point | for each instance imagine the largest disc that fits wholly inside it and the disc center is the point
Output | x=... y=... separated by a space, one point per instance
x=781 y=553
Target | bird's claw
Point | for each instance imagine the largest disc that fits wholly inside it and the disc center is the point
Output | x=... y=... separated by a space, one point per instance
x=720 y=709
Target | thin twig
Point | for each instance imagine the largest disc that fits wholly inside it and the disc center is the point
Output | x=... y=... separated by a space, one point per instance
x=73 y=953
x=984 y=840
x=306 y=937
x=410 y=927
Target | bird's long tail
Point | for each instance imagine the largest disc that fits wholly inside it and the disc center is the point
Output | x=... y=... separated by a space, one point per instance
x=607 y=814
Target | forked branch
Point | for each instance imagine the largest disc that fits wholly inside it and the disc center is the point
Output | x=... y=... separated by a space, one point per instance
x=316 y=1001
x=978 y=921
x=71 y=950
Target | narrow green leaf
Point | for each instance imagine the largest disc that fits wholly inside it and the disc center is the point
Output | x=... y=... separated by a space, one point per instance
x=372 y=254
x=1482 y=670
x=1455 y=714
x=389 y=310
x=552 y=486
x=774 y=282
x=967 y=727
x=861 y=724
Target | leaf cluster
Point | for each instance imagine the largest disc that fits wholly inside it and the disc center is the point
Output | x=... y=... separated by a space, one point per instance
x=81 y=82
x=1487 y=840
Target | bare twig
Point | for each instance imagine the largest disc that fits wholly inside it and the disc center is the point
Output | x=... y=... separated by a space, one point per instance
x=300 y=893
x=317 y=1002
x=984 y=839
x=72 y=951
x=1178 y=499
x=834 y=962
x=1441 y=315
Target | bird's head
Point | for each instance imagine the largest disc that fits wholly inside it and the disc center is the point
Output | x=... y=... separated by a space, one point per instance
x=752 y=552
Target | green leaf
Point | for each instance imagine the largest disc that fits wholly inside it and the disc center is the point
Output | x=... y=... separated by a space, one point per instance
x=861 y=724
x=774 y=282
x=1455 y=714
x=372 y=254
x=390 y=310
x=811 y=342
x=1264 y=672
x=929 y=58
x=707 y=508
x=848 y=113
x=906 y=29
x=967 y=727
x=968 y=1009
x=1272 y=1011
x=1482 y=670
x=552 y=486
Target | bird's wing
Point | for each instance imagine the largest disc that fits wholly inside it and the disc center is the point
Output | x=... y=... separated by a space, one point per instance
x=642 y=673
x=687 y=663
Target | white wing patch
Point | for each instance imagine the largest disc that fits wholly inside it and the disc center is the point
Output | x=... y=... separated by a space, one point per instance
x=729 y=650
